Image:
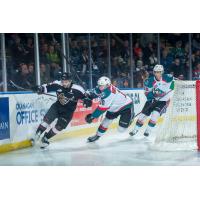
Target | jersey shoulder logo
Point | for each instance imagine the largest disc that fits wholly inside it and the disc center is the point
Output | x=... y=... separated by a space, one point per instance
x=70 y=92
x=59 y=90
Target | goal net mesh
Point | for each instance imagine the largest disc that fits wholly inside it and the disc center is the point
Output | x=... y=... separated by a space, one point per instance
x=179 y=128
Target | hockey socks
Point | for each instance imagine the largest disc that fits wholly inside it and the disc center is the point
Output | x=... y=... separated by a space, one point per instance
x=40 y=129
x=50 y=134
x=46 y=137
x=137 y=127
x=151 y=125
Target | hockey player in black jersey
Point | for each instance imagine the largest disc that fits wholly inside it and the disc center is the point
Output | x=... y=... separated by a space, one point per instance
x=68 y=95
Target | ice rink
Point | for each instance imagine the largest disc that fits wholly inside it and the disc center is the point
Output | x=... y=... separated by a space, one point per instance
x=111 y=150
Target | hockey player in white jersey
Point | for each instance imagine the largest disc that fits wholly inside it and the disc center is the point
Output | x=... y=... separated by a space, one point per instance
x=157 y=91
x=114 y=103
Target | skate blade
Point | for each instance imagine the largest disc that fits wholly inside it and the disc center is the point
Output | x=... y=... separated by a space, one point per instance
x=34 y=143
x=90 y=141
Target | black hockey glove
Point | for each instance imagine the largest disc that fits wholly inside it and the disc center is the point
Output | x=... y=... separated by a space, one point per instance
x=87 y=102
x=153 y=101
x=40 y=89
x=90 y=94
x=89 y=118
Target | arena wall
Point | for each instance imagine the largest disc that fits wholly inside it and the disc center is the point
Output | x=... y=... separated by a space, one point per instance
x=21 y=113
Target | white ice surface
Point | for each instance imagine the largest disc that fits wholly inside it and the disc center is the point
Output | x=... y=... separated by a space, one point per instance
x=113 y=149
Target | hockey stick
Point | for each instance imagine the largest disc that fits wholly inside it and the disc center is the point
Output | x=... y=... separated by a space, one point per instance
x=24 y=89
x=69 y=63
x=73 y=69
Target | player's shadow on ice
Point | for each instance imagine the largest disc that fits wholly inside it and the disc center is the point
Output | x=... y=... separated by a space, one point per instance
x=96 y=146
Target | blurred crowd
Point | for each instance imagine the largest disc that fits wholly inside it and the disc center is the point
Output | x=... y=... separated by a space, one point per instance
x=174 y=56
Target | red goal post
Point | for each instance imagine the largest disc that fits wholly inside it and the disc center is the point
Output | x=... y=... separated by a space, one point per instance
x=198 y=112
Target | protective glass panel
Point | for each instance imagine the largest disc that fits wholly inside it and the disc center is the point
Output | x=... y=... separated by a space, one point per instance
x=20 y=61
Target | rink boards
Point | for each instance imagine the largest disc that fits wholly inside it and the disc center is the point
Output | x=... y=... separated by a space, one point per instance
x=21 y=113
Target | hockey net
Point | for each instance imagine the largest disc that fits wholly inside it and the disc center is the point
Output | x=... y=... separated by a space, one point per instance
x=181 y=126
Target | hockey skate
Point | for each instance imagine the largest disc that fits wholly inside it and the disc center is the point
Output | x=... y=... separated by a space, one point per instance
x=146 y=133
x=93 y=138
x=44 y=143
x=134 y=132
x=36 y=138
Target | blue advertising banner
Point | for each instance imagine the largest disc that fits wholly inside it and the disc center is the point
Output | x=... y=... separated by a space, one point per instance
x=4 y=118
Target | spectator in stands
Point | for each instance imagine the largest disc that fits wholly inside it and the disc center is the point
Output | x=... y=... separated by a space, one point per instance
x=145 y=38
x=74 y=49
x=148 y=51
x=54 y=62
x=114 y=49
x=196 y=72
x=54 y=39
x=84 y=62
x=126 y=84
x=125 y=52
x=173 y=38
x=121 y=78
x=55 y=70
x=44 y=73
x=10 y=39
x=114 y=82
x=84 y=44
x=162 y=46
x=102 y=56
x=22 y=77
x=196 y=42
x=52 y=55
x=115 y=67
x=186 y=71
x=181 y=77
x=177 y=68
x=94 y=49
x=42 y=39
x=103 y=49
x=166 y=60
x=178 y=51
x=139 y=85
x=137 y=49
x=185 y=54
x=153 y=60
x=196 y=57
x=43 y=53
x=31 y=73
x=18 y=52
x=29 y=50
x=140 y=76
x=140 y=57
x=139 y=65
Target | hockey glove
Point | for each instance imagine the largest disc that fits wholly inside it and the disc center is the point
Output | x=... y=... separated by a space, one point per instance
x=40 y=89
x=89 y=118
x=87 y=102
x=153 y=101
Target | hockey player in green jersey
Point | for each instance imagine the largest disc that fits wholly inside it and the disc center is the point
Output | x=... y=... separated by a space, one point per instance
x=157 y=91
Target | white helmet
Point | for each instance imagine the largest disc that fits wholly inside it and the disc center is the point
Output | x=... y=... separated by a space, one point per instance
x=158 y=68
x=104 y=81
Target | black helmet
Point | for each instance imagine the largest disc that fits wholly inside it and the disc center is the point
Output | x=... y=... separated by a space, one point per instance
x=66 y=76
